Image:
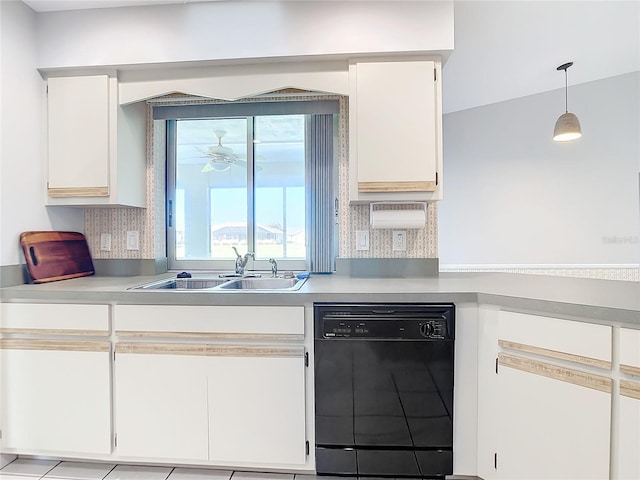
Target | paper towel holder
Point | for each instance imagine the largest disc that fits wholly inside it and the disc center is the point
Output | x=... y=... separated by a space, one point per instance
x=372 y=205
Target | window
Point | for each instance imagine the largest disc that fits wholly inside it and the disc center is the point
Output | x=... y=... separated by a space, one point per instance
x=249 y=182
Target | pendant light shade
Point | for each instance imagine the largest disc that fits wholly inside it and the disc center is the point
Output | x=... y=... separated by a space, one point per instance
x=567 y=128
x=568 y=125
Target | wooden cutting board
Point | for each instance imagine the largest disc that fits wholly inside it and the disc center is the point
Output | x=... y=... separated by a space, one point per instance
x=55 y=256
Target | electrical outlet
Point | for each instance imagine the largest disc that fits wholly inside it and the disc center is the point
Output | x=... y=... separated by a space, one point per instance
x=399 y=240
x=133 y=240
x=105 y=242
x=362 y=239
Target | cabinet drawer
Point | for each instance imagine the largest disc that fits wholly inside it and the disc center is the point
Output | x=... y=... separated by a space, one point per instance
x=630 y=351
x=209 y=321
x=55 y=319
x=630 y=347
x=584 y=343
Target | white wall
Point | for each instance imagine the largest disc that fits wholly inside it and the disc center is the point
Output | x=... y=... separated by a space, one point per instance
x=513 y=196
x=227 y=31
x=22 y=155
x=215 y=32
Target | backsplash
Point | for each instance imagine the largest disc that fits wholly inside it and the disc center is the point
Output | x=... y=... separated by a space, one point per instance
x=150 y=222
x=421 y=243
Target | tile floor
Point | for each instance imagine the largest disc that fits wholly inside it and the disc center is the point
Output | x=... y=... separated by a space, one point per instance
x=12 y=468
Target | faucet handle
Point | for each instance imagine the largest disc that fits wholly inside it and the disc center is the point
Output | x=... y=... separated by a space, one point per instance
x=274 y=267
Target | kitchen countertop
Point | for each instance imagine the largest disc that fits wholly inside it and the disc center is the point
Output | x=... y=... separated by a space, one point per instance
x=603 y=301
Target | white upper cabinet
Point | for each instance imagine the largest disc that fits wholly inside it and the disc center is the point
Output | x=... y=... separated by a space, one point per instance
x=395 y=130
x=96 y=148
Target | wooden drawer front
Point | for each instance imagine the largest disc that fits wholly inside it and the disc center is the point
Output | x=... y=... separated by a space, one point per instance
x=53 y=345
x=52 y=318
x=200 y=350
x=567 y=375
x=630 y=351
x=218 y=321
x=584 y=343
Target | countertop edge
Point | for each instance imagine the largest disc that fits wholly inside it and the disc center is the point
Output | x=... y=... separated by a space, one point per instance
x=614 y=303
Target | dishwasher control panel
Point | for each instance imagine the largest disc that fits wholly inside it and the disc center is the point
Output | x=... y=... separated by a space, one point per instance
x=401 y=322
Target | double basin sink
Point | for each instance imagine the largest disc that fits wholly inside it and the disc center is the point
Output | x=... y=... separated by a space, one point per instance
x=226 y=284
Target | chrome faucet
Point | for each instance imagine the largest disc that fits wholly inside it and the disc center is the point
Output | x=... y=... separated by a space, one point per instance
x=274 y=267
x=241 y=261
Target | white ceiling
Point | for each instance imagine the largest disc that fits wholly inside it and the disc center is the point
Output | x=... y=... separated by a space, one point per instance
x=508 y=49
x=57 y=5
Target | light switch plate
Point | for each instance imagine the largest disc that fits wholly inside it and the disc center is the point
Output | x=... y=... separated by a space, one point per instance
x=133 y=240
x=362 y=239
x=399 y=240
x=105 y=242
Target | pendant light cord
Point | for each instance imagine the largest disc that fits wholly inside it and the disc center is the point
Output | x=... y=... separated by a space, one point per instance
x=565 y=67
x=566 y=93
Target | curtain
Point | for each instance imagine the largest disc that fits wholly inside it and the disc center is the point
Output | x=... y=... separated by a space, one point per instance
x=320 y=194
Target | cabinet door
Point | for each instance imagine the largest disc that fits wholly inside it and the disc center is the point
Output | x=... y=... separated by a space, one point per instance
x=257 y=410
x=56 y=396
x=550 y=428
x=629 y=421
x=394 y=128
x=160 y=403
x=79 y=141
x=629 y=435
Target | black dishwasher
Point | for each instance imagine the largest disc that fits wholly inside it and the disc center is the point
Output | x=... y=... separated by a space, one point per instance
x=384 y=389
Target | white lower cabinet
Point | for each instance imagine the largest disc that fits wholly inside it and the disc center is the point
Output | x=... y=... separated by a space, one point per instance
x=161 y=406
x=545 y=398
x=551 y=429
x=257 y=410
x=629 y=437
x=55 y=396
x=629 y=405
x=230 y=405
x=55 y=382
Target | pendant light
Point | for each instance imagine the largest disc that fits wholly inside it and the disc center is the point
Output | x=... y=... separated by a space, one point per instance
x=568 y=125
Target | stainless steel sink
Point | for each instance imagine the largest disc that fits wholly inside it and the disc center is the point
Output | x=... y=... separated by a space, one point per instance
x=183 y=284
x=263 y=284
x=224 y=283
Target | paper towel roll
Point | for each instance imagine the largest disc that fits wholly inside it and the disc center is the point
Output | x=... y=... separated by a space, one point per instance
x=403 y=219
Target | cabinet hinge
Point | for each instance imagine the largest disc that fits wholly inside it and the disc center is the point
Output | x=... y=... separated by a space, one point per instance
x=115 y=440
x=436 y=178
x=114 y=355
x=495 y=461
x=435 y=75
x=496 y=365
x=306 y=447
x=306 y=359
